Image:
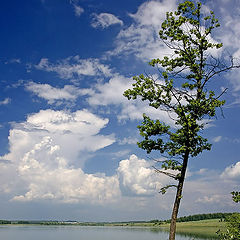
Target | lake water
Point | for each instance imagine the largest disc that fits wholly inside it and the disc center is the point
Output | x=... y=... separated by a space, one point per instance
x=38 y=232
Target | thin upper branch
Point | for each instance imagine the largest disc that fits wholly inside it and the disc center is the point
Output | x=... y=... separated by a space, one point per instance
x=174 y=176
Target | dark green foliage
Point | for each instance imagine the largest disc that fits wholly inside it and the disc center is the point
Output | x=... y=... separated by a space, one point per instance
x=5 y=222
x=22 y=222
x=233 y=228
x=198 y=217
x=155 y=221
x=233 y=223
x=204 y=216
x=236 y=196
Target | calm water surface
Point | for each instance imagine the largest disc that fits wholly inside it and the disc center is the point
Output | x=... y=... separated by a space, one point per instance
x=27 y=232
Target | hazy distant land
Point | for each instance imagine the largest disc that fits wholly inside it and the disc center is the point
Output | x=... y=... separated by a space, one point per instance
x=201 y=224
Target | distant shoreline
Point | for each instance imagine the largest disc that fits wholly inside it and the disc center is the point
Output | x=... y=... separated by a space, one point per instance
x=201 y=228
x=149 y=223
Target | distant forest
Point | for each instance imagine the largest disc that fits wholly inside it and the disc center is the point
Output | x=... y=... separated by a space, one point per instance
x=196 y=217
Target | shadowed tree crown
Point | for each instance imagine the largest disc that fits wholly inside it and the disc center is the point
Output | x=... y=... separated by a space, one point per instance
x=180 y=88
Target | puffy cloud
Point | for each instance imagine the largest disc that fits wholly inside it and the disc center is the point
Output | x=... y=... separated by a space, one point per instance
x=128 y=140
x=229 y=35
x=101 y=94
x=50 y=178
x=138 y=178
x=207 y=192
x=73 y=67
x=217 y=139
x=111 y=92
x=40 y=170
x=234 y=79
x=104 y=20
x=52 y=94
x=77 y=9
x=121 y=153
x=142 y=38
x=230 y=32
x=47 y=152
x=13 y=60
x=153 y=13
x=5 y=101
x=210 y=199
x=135 y=109
x=46 y=157
x=232 y=172
x=7 y=176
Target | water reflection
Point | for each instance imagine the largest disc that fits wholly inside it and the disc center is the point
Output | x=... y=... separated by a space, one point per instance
x=185 y=235
x=38 y=232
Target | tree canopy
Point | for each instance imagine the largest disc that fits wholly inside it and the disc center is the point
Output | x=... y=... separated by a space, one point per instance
x=236 y=196
x=233 y=228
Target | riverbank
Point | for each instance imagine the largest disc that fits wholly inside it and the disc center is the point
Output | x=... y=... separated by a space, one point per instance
x=202 y=228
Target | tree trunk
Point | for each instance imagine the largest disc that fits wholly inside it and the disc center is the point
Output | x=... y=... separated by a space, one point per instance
x=176 y=205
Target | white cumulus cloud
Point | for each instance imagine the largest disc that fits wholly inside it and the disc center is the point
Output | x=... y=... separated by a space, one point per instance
x=141 y=38
x=212 y=199
x=138 y=178
x=104 y=20
x=74 y=67
x=47 y=153
x=54 y=94
x=5 y=101
x=232 y=172
x=50 y=178
x=111 y=92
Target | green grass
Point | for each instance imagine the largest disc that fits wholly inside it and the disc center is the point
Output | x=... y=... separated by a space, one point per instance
x=203 y=228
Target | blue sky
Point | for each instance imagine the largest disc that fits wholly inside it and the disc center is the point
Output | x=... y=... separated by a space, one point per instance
x=68 y=136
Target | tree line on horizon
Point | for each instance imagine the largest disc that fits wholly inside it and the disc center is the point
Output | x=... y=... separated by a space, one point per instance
x=195 y=217
x=205 y=216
